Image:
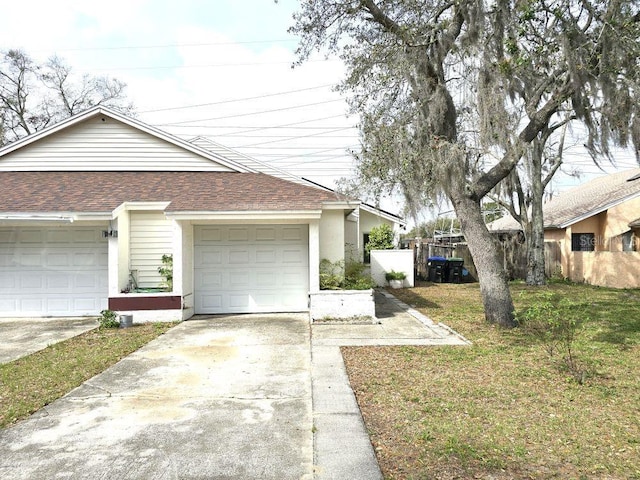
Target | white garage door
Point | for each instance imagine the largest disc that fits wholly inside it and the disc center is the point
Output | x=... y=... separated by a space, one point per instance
x=52 y=271
x=252 y=268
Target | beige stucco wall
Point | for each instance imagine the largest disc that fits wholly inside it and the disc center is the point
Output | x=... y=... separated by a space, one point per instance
x=607 y=269
x=608 y=265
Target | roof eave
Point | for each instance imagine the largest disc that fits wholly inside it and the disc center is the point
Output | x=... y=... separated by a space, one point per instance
x=243 y=216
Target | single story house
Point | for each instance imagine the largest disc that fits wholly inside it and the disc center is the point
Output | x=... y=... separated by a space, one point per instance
x=89 y=206
x=597 y=226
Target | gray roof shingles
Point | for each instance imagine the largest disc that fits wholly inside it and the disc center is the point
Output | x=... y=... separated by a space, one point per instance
x=582 y=201
x=187 y=191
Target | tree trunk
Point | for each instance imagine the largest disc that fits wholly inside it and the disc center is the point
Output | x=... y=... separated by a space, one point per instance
x=534 y=233
x=494 y=287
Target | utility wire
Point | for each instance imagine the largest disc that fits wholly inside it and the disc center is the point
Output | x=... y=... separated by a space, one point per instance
x=172 y=45
x=257 y=97
x=251 y=113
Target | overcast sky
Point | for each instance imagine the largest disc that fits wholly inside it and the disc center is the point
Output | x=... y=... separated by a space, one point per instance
x=220 y=68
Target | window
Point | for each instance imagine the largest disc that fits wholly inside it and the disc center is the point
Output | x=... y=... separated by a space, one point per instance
x=628 y=242
x=367 y=255
x=583 y=242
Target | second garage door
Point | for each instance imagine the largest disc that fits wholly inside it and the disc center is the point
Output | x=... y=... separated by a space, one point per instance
x=52 y=271
x=251 y=269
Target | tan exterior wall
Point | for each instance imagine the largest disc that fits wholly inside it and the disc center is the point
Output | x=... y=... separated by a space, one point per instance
x=608 y=265
x=607 y=269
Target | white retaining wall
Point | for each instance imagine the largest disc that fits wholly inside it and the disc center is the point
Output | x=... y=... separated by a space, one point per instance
x=341 y=304
x=383 y=261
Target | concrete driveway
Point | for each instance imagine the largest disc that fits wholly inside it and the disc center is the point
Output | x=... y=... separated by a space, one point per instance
x=211 y=399
x=238 y=397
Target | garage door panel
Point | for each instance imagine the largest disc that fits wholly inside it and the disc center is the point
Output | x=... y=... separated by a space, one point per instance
x=239 y=279
x=239 y=257
x=259 y=268
x=210 y=257
x=59 y=236
x=264 y=234
x=57 y=260
x=209 y=280
x=293 y=233
x=58 y=282
x=238 y=234
x=296 y=256
x=31 y=236
x=53 y=271
x=269 y=256
x=31 y=281
x=211 y=301
x=30 y=260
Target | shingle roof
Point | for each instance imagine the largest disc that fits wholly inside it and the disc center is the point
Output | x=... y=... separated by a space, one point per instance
x=582 y=201
x=591 y=198
x=187 y=191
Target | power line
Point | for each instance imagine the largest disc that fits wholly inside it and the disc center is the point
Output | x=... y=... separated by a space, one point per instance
x=251 y=113
x=237 y=99
x=207 y=65
x=285 y=139
x=173 y=45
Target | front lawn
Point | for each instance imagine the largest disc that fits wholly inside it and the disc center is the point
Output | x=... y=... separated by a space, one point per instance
x=504 y=408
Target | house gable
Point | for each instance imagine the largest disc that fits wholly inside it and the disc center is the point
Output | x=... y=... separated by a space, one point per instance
x=101 y=140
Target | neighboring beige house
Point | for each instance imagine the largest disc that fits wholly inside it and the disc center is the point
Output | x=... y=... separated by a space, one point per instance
x=597 y=226
x=89 y=206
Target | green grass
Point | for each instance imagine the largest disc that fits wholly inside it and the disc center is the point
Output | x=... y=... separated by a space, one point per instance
x=31 y=382
x=504 y=408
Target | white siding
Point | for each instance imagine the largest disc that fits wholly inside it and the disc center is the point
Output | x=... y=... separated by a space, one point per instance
x=105 y=145
x=151 y=237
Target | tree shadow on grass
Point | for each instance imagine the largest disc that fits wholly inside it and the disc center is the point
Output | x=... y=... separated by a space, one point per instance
x=620 y=331
x=415 y=300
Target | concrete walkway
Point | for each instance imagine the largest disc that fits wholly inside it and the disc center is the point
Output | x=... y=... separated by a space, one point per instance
x=238 y=397
x=24 y=336
x=343 y=449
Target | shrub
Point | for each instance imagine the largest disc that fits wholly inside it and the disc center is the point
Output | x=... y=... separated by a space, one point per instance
x=108 y=319
x=556 y=322
x=349 y=276
x=331 y=274
x=355 y=278
x=393 y=275
x=381 y=237
x=166 y=270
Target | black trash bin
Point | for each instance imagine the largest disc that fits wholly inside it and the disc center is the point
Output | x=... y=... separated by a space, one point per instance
x=436 y=269
x=454 y=270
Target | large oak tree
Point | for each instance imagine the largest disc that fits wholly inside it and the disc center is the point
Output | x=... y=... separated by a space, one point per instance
x=419 y=71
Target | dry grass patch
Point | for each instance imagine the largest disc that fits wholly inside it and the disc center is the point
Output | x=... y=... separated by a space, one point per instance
x=31 y=382
x=503 y=408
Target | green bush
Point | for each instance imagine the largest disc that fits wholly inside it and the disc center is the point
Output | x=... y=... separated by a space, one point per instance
x=355 y=278
x=556 y=321
x=331 y=274
x=166 y=271
x=393 y=275
x=108 y=319
x=381 y=237
x=341 y=276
